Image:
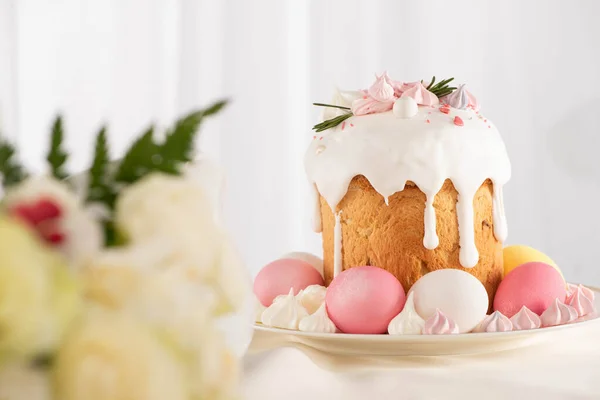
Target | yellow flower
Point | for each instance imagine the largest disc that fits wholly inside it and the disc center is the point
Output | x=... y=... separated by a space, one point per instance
x=38 y=295
x=113 y=357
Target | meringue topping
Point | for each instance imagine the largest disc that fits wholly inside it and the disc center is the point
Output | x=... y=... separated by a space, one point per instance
x=439 y=324
x=580 y=302
x=458 y=99
x=312 y=297
x=318 y=322
x=558 y=314
x=258 y=310
x=286 y=312
x=525 y=319
x=408 y=322
x=495 y=322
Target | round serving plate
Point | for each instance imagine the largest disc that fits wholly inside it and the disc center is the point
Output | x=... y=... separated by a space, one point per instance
x=266 y=338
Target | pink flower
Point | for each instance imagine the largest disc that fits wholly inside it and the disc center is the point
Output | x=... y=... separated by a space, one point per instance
x=419 y=93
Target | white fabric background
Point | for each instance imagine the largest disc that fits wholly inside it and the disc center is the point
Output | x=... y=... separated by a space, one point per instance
x=532 y=65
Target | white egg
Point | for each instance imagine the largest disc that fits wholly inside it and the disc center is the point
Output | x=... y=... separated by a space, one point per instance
x=313 y=260
x=458 y=294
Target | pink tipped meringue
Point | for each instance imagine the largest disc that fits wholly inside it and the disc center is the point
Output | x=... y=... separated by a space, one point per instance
x=439 y=324
x=570 y=289
x=382 y=90
x=495 y=322
x=369 y=105
x=525 y=319
x=580 y=302
x=473 y=103
x=558 y=314
x=397 y=86
x=587 y=292
x=420 y=94
x=457 y=99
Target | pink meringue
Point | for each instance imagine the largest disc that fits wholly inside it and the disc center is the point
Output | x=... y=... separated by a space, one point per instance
x=382 y=90
x=457 y=99
x=525 y=319
x=419 y=93
x=369 y=105
x=397 y=86
x=439 y=324
x=495 y=322
x=580 y=302
x=558 y=314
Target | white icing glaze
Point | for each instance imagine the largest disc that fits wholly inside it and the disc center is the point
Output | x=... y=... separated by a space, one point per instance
x=337 y=245
x=316 y=217
x=426 y=149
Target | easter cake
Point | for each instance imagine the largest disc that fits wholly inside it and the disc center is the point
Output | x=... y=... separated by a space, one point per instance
x=407 y=181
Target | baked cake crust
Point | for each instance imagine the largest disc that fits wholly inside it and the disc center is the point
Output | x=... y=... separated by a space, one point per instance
x=391 y=236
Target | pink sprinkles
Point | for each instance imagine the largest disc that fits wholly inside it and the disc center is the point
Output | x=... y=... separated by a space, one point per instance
x=343 y=125
x=458 y=121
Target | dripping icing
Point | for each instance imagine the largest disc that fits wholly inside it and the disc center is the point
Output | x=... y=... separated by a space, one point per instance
x=389 y=151
x=430 y=238
x=316 y=209
x=500 y=228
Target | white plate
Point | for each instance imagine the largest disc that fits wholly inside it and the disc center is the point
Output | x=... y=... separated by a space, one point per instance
x=266 y=338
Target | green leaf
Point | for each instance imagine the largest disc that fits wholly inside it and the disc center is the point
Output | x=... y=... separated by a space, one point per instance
x=146 y=156
x=12 y=171
x=57 y=156
x=99 y=187
x=137 y=161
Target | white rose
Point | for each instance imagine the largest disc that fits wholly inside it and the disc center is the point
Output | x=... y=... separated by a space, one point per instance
x=213 y=370
x=21 y=382
x=83 y=234
x=164 y=205
x=112 y=357
x=39 y=296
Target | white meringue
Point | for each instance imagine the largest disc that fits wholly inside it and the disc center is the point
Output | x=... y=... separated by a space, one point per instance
x=286 y=312
x=312 y=297
x=408 y=322
x=318 y=322
x=558 y=314
x=495 y=322
x=405 y=107
x=525 y=319
x=258 y=310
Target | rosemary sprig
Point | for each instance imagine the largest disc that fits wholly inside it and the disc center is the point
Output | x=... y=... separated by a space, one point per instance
x=441 y=88
x=331 y=123
x=331 y=105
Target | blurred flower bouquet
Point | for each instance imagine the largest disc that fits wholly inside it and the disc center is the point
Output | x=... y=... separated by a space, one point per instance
x=111 y=282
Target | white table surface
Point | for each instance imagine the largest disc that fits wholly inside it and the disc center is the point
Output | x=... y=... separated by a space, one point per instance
x=566 y=366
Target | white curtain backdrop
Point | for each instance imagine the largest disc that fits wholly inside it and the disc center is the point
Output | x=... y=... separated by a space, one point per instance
x=532 y=65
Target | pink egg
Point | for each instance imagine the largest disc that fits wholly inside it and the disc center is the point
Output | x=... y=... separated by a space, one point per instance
x=282 y=275
x=364 y=300
x=534 y=285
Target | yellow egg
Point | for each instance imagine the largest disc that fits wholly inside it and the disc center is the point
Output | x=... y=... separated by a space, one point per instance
x=518 y=254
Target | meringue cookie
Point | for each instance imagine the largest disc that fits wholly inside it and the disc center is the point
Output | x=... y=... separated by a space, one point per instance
x=587 y=292
x=525 y=319
x=258 y=310
x=439 y=324
x=318 y=322
x=285 y=312
x=381 y=90
x=420 y=94
x=458 y=99
x=495 y=322
x=558 y=314
x=580 y=302
x=312 y=297
x=405 y=107
x=369 y=105
x=408 y=322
